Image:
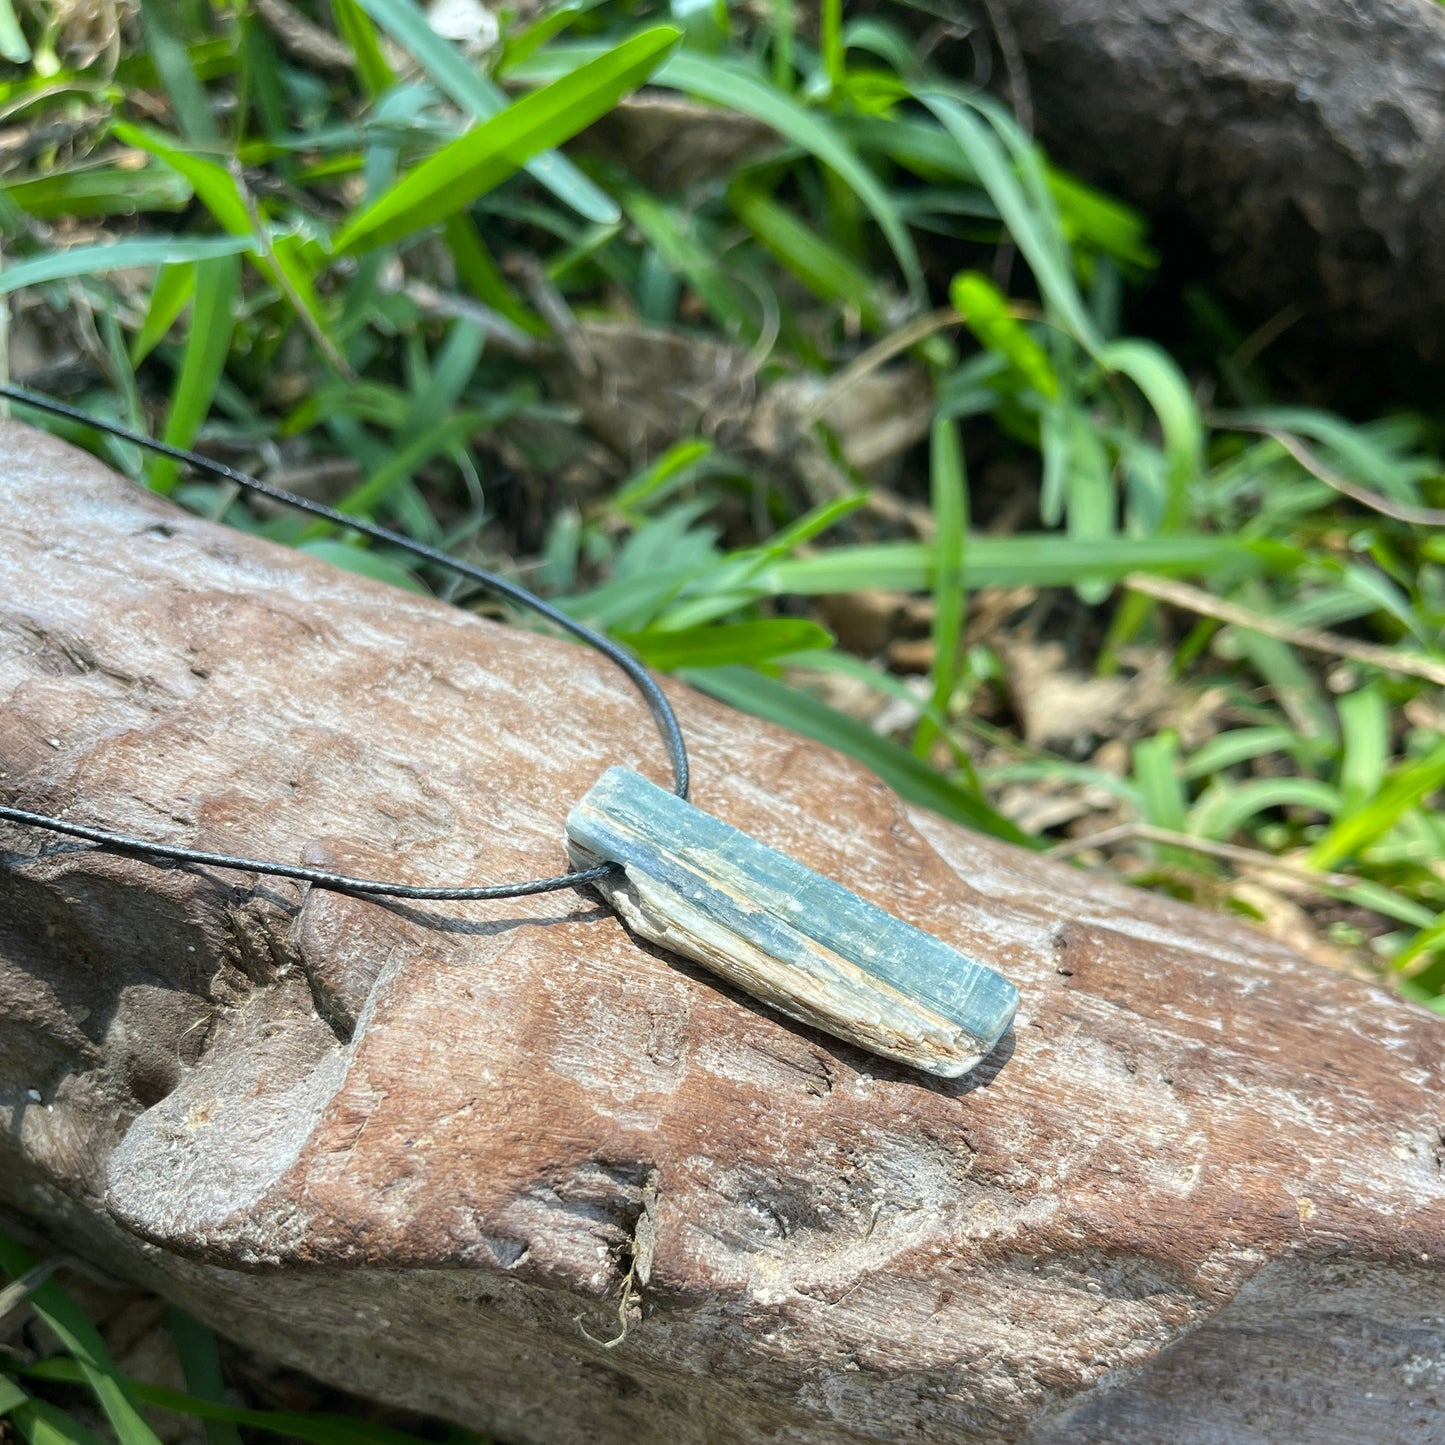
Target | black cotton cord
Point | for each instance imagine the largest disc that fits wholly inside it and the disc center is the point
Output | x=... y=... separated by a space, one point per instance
x=637 y=675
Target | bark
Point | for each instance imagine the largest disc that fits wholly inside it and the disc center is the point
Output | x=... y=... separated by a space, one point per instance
x=427 y=1153
x=1302 y=143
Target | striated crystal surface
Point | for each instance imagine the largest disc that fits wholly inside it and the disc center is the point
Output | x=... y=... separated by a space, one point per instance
x=789 y=936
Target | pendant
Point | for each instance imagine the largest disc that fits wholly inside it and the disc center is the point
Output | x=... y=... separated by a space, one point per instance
x=785 y=934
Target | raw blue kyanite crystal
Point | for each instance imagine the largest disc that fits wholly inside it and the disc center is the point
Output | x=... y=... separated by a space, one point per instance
x=786 y=934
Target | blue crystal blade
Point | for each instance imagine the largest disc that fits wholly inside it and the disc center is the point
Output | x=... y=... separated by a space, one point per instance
x=782 y=908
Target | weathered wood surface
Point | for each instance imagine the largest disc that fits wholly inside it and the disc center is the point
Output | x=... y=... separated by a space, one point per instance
x=1301 y=142
x=1197 y=1194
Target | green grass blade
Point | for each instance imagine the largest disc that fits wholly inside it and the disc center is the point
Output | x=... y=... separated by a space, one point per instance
x=674 y=468
x=813 y=523
x=1093 y=505
x=41 y=1423
x=1155 y=373
x=400 y=464
x=1355 y=448
x=118 y=256
x=821 y=266
x=483 y=98
x=835 y=65
x=1034 y=226
x=726 y=643
x=13 y=45
x=1225 y=808
x=729 y=83
x=450 y=180
x=314 y=1427
x=1161 y=790
x=456 y=364
x=478 y=271
x=364 y=562
x=783 y=28
x=1365 y=736
x=909 y=777
x=354 y=26
x=85 y=1346
x=1100 y=220
x=518 y=45
x=1041 y=559
x=949 y=493
x=629 y=603
x=11 y=1395
x=218 y=287
x=1427 y=941
x=214 y=185
x=1295 y=686
x=91 y=190
x=164 y=39
x=201 y=1366
x=1239 y=745
x=985 y=311
x=174 y=288
x=671 y=230
x=219 y=191
x=1409 y=785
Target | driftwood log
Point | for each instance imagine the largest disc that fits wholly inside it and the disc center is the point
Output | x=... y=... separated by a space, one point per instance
x=1196 y=1196
x=1302 y=143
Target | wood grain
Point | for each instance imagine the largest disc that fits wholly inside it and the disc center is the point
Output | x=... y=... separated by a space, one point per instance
x=420 y=1153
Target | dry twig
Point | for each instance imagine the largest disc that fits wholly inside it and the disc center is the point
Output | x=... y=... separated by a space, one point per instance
x=1314 y=639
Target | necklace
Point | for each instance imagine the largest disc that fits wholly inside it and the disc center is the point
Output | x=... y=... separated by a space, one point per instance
x=674 y=874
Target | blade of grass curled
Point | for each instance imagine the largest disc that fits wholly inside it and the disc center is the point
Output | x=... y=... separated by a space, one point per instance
x=450 y=180
x=1155 y=373
x=1225 y=808
x=1241 y=745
